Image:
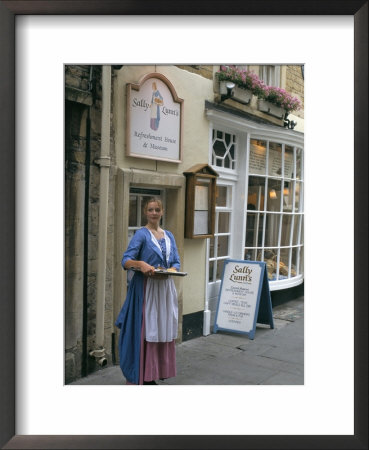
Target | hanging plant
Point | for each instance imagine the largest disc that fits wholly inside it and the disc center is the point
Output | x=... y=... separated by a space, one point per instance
x=281 y=98
x=242 y=78
x=246 y=79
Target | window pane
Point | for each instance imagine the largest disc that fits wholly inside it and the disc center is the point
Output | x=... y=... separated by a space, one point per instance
x=250 y=254
x=295 y=252
x=143 y=217
x=270 y=259
x=224 y=150
x=298 y=194
x=298 y=163
x=211 y=247
x=275 y=159
x=302 y=230
x=223 y=222
x=284 y=263
x=296 y=230
x=229 y=160
x=255 y=199
x=257 y=160
x=272 y=230
x=220 y=265
x=211 y=271
x=132 y=222
x=221 y=196
x=274 y=195
x=287 y=196
x=301 y=262
x=219 y=149
x=286 y=229
x=222 y=246
x=288 y=162
x=254 y=229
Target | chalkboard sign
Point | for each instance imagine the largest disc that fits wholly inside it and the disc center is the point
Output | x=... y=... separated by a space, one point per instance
x=244 y=298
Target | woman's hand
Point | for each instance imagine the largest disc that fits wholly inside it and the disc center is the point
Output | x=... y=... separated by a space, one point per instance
x=146 y=269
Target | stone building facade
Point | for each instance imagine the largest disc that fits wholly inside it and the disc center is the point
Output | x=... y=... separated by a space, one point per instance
x=101 y=180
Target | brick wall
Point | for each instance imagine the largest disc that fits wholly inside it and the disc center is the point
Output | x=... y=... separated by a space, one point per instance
x=295 y=85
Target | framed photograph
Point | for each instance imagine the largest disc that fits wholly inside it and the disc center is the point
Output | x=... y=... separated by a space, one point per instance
x=73 y=417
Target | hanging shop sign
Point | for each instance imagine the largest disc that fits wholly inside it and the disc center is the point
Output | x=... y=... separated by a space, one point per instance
x=154 y=119
x=244 y=298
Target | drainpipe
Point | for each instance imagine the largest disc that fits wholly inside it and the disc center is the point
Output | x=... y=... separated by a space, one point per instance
x=84 y=363
x=104 y=162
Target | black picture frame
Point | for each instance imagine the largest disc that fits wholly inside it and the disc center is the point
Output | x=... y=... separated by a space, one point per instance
x=8 y=11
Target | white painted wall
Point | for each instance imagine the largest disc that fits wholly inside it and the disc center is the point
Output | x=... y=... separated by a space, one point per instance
x=194 y=90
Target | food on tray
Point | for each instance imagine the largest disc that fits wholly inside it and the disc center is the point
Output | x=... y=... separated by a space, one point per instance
x=171 y=269
x=162 y=271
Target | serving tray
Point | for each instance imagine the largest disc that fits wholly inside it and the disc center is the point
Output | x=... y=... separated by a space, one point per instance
x=164 y=272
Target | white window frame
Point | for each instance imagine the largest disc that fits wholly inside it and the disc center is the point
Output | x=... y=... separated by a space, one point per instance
x=228 y=173
x=271 y=75
x=290 y=281
x=244 y=131
x=228 y=209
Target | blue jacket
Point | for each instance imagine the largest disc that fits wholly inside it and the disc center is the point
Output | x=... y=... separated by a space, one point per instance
x=141 y=248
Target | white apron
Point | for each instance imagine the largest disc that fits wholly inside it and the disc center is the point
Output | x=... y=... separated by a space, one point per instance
x=161 y=305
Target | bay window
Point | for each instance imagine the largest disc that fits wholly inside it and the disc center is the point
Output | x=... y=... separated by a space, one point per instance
x=274 y=212
x=263 y=219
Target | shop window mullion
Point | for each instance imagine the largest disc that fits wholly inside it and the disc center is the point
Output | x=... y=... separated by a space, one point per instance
x=293 y=215
x=301 y=204
x=265 y=200
x=291 y=243
x=302 y=166
x=279 y=244
x=299 y=244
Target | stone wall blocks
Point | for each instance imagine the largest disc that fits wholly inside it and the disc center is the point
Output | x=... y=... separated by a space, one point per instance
x=70 y=368
x=73 y=81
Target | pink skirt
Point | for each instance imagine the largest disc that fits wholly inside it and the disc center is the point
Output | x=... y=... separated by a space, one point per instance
x=157 y=359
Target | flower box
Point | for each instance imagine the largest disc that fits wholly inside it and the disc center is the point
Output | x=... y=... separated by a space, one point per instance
x=242 y=95
x=271 y=109
x=239 y=94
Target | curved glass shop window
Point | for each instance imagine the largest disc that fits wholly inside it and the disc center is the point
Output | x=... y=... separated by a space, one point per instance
x=274 y=216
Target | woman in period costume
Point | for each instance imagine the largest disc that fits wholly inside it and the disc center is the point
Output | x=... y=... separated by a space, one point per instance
x=156 y=102
x=148 y=320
